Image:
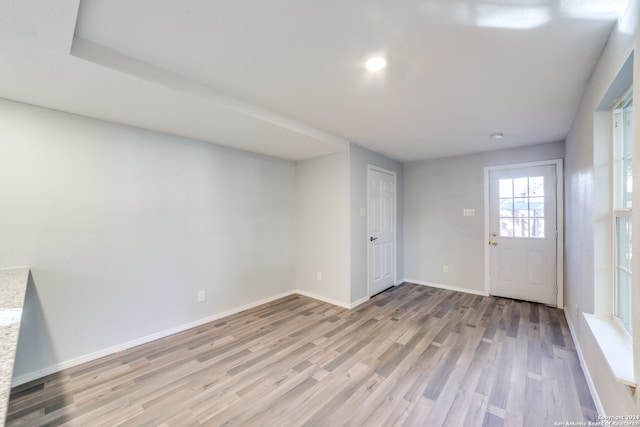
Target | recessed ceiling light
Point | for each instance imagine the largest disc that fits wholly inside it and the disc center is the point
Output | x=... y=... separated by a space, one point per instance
x=497 y=135
x=376 y=64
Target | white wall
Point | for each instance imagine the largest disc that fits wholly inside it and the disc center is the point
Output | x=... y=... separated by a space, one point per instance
x=123 y=226
x=435 y=231
x=582 y=263
x=322 y=229
x=359 y=159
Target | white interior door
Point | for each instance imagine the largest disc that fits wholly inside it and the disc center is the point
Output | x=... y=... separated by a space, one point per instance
x=382 y=202
x=523 y=233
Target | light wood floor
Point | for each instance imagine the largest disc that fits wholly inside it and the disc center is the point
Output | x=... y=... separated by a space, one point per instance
x=411 y=356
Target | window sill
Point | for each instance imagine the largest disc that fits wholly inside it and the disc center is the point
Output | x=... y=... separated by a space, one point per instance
x=616 y=346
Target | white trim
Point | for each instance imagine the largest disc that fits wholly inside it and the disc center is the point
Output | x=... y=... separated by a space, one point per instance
x=558 y=163
x=525 y=164
x=616 y=347
x=560 y=238
x=324 y=299
x=357 y=303
x=139 y=341
x=487 y=230
x=617 y=151
x=583 y=364
x=447 y=287
x=22 y=379
x=395 y=224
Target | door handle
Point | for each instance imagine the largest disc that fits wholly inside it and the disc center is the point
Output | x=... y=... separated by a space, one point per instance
x=371 y=239
x=493 y=243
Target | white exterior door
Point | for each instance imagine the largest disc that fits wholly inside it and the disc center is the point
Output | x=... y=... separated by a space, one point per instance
x=381 y=240
x=523 y=233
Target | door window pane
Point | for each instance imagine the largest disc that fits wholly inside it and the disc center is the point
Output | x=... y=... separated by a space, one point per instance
x=506 y=188
x=536 y=186
x=521 y=187
x=536 y=227
x=522 y=207
x=536 y=207
x=506 y=227
x=506 y=207
x=521 y=227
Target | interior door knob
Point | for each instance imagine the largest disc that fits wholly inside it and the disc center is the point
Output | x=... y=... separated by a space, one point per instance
x=371 y=239
x=493 y=243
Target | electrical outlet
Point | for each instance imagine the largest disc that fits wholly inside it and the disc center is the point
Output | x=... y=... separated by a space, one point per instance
x=319 y=277
x=445 y=268
x=201 y=296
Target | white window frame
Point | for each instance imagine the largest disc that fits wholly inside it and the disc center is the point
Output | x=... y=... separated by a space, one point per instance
x=619 y=209
x=613 y=341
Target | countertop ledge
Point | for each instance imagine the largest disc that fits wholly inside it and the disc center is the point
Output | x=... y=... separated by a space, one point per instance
x=13 y=285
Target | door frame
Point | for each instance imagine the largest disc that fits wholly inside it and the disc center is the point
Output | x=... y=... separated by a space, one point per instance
x=559 y=220
x=371 y=168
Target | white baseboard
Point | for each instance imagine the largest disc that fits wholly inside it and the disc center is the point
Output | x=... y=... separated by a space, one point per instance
x=22 y=379
x=447 y=287
x=583 y=364
x=324 y=299
x=25 y=378
x=360 y=301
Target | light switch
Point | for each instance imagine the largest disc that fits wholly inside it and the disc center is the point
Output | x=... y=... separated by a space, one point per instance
x=469 y=212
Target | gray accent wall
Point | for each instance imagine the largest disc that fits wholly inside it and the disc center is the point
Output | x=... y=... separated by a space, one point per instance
x=435 y=231
x=122 y=228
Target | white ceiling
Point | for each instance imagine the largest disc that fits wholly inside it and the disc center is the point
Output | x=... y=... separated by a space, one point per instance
x=286 y=77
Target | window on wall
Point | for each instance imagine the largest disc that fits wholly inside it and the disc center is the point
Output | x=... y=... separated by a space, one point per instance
x=622 y=207
x=611 y=321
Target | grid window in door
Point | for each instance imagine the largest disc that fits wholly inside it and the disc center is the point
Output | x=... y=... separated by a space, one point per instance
x=522 y=207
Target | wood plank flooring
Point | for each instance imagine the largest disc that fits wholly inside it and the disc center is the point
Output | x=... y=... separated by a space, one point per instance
x=411 y=356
